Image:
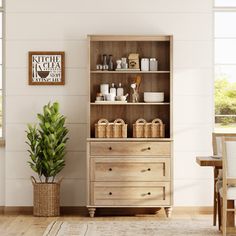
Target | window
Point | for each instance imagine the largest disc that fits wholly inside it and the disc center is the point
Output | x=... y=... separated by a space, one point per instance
x=225 y=65
x=1 y=63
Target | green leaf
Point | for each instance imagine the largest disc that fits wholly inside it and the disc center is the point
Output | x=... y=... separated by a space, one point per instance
x=46 y=142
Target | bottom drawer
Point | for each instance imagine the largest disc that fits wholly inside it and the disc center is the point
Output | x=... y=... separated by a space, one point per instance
x=130 y=193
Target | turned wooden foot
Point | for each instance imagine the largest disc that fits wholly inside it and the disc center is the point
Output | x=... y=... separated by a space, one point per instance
x=91 y=211
x=168 y=211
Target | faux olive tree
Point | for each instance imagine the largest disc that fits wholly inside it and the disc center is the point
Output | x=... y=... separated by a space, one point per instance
x=47 y=143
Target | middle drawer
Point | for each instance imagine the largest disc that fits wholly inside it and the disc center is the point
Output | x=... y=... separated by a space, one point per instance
x=130 y=169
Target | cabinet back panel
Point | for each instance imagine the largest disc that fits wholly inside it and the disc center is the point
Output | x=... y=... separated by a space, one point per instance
x=130 y=114
x=150 y=83
x=146 y=49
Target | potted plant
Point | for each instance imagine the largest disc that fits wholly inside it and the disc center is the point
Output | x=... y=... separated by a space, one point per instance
x=47 y=142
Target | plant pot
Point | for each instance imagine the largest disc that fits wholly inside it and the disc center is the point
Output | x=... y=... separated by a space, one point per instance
x=46 y=198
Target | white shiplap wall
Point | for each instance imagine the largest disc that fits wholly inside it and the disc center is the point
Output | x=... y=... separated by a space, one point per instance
x=63 y=25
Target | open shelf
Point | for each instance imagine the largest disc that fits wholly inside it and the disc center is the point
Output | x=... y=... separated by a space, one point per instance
x=131 y=104
x=151 y=81
x=128 y=72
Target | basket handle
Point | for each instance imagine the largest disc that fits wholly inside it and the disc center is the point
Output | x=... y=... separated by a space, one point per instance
x=33 y=180
x=119 y=121
x=141 y=120
x=157 y=121
x=103 y=121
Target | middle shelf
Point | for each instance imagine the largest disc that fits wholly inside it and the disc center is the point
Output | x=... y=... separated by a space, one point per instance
x=130 y=104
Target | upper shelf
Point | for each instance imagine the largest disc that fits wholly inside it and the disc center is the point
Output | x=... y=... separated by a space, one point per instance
x=129 y=72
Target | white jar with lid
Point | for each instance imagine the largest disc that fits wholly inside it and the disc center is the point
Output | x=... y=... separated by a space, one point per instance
x=153 y=64
x=104 y=89
x=145 y=64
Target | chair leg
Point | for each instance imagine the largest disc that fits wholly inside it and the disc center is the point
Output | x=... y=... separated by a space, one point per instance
x=219 y=210
x=230 y=214
x=224 y=221
x=216 y=173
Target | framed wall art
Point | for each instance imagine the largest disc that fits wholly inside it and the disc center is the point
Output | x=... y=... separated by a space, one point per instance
x=46 y=68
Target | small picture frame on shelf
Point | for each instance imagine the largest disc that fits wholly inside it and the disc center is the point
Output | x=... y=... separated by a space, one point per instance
x=46 y=68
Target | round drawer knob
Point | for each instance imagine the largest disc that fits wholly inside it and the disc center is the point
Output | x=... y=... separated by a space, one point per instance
x=149 y=193
x=149 y=148
x=110 y=169
x=110 y=193
x=110 y=148
x=149 y=169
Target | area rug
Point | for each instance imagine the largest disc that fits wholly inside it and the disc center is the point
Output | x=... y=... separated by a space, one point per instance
x=133 y=228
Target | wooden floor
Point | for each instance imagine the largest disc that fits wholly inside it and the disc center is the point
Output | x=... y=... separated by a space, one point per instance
x=27 y=225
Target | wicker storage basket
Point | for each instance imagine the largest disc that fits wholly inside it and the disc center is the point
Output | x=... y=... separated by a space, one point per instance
x=139 y=128
x=46 y=198
x=155 y=129
x=102 y=128
x=143 y=129
x=117 y=129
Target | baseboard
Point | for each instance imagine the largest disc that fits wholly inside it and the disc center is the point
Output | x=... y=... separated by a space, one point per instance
x=193 y=210
x=12 y=210
x=1 y=209
x=82 y=210
x=28 y=210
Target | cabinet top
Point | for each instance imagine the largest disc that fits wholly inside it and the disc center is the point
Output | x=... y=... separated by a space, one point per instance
x=130 y=37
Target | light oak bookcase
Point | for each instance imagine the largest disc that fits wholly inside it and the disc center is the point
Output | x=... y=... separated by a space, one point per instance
x=130 y=172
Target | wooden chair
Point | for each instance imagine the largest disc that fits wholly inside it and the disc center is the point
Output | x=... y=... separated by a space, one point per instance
x=228 y=191
x=217 y=150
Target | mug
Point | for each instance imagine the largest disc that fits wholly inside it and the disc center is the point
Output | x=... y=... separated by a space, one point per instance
x=110 y=97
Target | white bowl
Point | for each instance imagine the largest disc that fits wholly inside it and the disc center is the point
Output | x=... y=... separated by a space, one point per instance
x=121 y=98
x=153 y=96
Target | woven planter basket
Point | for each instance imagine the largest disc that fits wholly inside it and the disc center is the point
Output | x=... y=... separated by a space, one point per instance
x=46 y=198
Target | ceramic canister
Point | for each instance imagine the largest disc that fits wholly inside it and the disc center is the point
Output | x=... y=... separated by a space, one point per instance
x=104 y=89
x=153 y=64
x=145 y=64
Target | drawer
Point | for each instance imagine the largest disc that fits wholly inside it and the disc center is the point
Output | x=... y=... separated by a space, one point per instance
x=130 y=194
x=130 y=148
x=130 y=169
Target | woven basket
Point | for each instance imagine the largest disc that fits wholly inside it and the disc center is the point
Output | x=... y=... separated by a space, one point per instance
x=143 y=129
x=46 y=198
x=104 y=129
x=119 y=129
x=155 y=129
x=139 y=128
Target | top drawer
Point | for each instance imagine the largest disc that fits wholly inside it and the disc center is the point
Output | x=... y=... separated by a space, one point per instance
x=130 y=148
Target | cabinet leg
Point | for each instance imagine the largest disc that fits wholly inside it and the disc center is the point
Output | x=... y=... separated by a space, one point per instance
x=91 y=212
x=168 y=211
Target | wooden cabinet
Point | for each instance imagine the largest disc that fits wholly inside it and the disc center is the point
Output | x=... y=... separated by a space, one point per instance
x=130 y=172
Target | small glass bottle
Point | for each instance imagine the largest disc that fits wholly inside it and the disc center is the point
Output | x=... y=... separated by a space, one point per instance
x=120 y=90
x=113 y=89
x=104 y=62
x=110 y=63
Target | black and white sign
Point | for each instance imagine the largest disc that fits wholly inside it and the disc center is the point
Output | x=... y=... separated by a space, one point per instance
x=46 y=68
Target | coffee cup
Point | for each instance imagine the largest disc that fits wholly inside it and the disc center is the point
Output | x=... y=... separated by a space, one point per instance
x=110 y=97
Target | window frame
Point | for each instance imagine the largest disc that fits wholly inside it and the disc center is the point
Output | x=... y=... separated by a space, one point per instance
x=215 y=10
x=2 y=10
